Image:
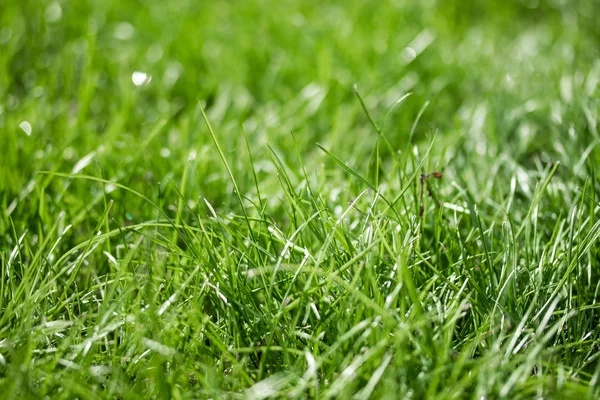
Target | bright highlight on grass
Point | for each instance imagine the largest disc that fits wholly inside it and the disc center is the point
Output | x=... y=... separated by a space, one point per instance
x=140 y=78
x=26 y=127
x=357 y=200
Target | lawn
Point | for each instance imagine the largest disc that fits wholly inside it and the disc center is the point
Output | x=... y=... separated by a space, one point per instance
x=299 y=199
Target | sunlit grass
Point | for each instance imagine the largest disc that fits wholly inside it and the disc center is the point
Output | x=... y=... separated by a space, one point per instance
x=299 y=199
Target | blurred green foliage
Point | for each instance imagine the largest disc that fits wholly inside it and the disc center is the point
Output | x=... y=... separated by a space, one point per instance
x=113 y=88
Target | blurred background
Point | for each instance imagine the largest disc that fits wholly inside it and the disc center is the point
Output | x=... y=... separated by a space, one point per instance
x=112 y=88
x=96 y=293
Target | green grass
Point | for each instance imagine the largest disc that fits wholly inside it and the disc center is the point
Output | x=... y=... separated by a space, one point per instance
x=244 y=223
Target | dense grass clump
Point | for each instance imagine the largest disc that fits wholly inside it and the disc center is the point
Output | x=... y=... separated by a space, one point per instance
x=300 y=199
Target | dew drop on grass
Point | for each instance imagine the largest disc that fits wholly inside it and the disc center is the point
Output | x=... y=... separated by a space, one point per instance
x=408 y=54
x=53 y=13
x=124 y=31
x=172 y=74
x=154 y=53
x=140 y=78
x=69 y=153
x=26 y=127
